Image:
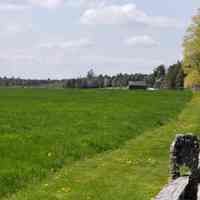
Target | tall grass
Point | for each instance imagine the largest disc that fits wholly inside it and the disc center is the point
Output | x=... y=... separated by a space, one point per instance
x=42 y=130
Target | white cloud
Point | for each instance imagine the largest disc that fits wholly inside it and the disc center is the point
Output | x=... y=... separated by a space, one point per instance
x=12 y=7
x=47 y=3
x=50 y=62
x=121 y=60
x=12 y=29
x=114 y=65
x=80 y=43
x=87 y=3
x=15 y=57
x=141 y=41
x=125 y=14
x=16 y=5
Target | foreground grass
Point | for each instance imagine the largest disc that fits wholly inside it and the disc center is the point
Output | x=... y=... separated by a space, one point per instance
x=45 y=130
x=136 y=171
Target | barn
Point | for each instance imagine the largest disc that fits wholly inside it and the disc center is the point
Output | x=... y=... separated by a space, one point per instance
x=138 y=85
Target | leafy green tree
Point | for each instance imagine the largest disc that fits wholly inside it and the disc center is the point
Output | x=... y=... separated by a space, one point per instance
x=192 y=79
x=91 y=74
x=159 y=72
x=174 y=78
x=192 y=51
x=192 y=45
x=180 y=79
x=158 y=76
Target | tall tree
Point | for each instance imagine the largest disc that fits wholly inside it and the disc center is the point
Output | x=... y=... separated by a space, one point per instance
x=159 y=72
x=90 y=74
x=159 y=75
x=174 y=78
x=192 y=52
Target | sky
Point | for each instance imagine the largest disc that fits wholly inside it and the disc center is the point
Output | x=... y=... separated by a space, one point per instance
x=65 y=38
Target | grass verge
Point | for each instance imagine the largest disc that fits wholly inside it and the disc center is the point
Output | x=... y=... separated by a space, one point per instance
x=138 y=170
x=43 y=130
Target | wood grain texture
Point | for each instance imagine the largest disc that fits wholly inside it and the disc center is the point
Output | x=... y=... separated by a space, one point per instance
x=173 y=190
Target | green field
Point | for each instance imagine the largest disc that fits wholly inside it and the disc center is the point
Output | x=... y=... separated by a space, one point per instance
x=89 y=144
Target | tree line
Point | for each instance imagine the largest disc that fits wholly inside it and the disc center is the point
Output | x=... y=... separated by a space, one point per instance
x=185 y=74
x=161 y=77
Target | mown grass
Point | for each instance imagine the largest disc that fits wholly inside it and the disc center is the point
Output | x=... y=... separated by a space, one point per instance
x=44 y=130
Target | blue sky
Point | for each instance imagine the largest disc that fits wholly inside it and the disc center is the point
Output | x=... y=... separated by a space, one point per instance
x=66 y=38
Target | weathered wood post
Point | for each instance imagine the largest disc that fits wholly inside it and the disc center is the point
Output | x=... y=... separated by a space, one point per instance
x=184 y=151
x=191 y=190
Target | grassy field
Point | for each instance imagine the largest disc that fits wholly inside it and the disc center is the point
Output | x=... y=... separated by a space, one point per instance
x=86 y=144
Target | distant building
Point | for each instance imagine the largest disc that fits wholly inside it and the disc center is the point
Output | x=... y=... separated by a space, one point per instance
x=137 y=85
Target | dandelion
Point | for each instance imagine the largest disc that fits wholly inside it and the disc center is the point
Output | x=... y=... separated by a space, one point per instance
x=129 y=162
x=66 y=189
x=52 y=169
x=49 y=154
x=103 y=164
